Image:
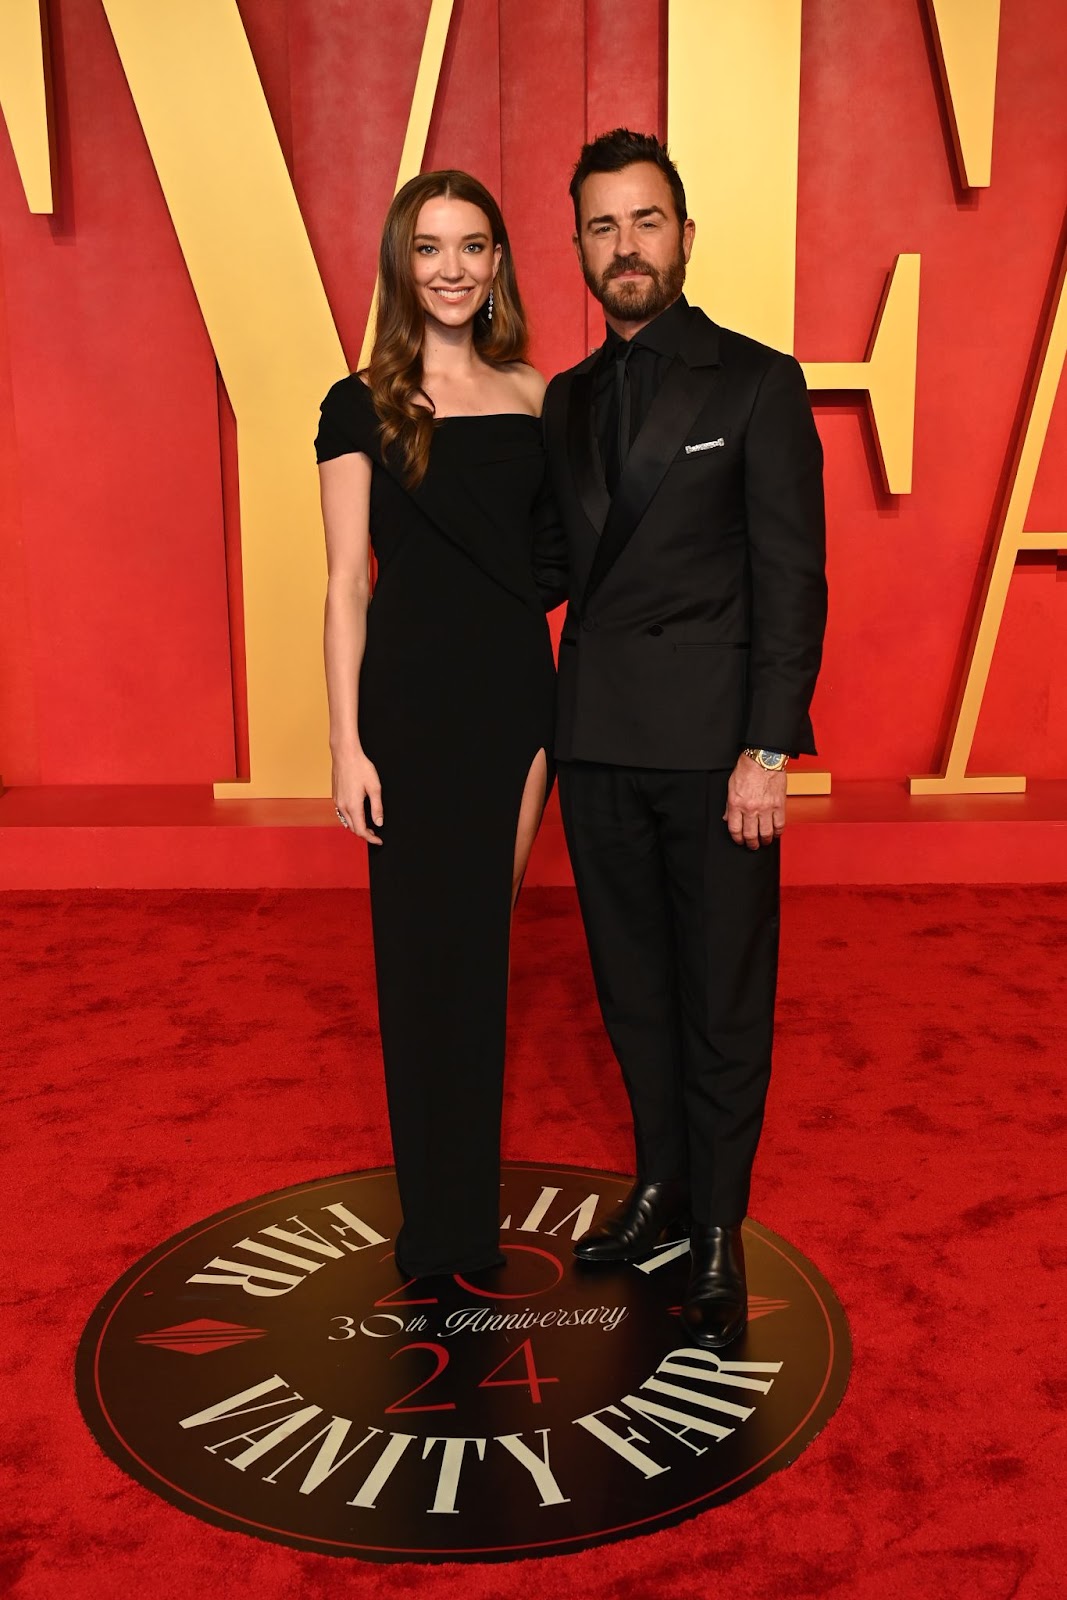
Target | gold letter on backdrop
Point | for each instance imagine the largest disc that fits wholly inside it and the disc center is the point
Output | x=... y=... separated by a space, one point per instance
x=967 y=34
x=733 y=117
x=216 y=152
x=738 y=149
x=887 y=374
x=433 y=51
x=24 y=98
x=1012 y=536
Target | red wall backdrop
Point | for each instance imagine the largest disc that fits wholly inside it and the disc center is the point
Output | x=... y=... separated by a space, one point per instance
x=115 y=638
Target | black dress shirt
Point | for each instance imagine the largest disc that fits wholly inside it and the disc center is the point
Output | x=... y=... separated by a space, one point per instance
x=645 y=359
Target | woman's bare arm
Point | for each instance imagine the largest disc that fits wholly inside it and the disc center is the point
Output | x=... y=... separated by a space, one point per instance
x=345 y=490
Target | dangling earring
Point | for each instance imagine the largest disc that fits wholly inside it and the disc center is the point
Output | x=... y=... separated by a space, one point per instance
x=489 y=307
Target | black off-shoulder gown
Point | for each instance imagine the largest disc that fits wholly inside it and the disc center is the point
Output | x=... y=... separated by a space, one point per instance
x=456 y=697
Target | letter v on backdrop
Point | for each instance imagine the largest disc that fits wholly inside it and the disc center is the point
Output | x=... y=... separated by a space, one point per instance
x=215 y=149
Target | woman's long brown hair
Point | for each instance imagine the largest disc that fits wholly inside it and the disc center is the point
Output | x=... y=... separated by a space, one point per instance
x=395 y=370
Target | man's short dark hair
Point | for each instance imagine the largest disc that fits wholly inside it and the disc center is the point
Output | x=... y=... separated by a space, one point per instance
x=622 y=148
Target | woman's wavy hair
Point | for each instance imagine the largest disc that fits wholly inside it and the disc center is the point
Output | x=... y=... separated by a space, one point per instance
x=395 y=370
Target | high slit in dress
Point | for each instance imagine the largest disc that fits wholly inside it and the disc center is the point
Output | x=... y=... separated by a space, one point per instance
x=456 y=699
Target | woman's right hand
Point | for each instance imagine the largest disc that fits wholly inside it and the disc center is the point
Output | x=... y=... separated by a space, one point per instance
x=355 y=780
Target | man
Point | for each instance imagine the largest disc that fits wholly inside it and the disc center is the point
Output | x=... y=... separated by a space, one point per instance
x=688 y=474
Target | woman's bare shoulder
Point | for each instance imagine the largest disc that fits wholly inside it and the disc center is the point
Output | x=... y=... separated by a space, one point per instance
x=530 y=383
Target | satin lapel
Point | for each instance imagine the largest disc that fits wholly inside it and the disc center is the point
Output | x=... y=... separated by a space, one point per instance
x=583 y=451
x=681 y=397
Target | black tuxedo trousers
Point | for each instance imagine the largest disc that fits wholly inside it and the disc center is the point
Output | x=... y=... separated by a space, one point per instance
x=682 y=925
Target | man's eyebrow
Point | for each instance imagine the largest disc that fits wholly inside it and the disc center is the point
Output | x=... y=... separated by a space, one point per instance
x=637 y=213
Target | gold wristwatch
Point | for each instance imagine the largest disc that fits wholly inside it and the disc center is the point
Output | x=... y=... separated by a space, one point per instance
x=769 y=760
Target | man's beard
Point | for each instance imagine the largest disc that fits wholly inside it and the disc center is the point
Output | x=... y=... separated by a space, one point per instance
x=637 y=301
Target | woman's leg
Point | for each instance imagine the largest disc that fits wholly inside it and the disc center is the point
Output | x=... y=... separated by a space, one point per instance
x=533 y=804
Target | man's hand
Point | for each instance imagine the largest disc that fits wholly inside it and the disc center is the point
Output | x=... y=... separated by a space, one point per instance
x=755 y=804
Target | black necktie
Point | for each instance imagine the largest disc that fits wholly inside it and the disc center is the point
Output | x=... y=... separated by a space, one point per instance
x=619 y=447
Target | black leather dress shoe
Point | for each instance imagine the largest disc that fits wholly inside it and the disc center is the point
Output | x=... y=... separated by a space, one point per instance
x=715 y=1309
x=633 y=1229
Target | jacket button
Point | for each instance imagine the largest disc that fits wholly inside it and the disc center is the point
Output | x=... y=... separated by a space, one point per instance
x=655 y=630
x=589 y=624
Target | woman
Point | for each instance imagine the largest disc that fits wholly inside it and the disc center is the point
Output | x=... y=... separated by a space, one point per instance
x=441 y=688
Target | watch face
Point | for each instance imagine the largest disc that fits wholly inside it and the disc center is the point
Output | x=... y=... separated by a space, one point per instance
x=773 y=760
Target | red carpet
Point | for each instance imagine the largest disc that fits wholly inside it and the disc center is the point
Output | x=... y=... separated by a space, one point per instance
x=170 y=1054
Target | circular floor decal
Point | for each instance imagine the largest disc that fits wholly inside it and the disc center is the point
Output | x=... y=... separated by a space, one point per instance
x=269 y=1370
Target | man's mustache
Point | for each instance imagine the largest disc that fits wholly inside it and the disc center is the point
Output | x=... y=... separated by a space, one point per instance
x=628 y=264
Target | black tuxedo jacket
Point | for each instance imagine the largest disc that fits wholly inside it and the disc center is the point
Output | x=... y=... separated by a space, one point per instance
x=696 y=595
